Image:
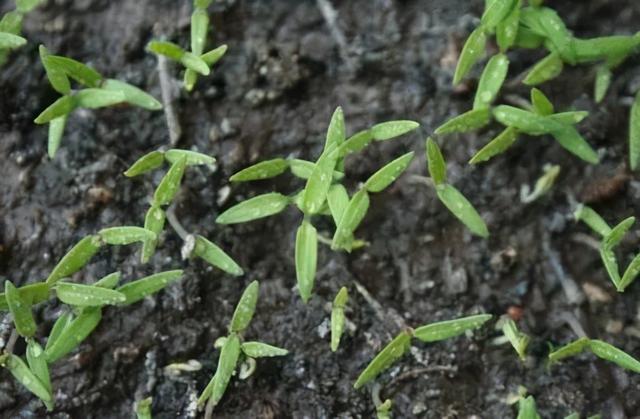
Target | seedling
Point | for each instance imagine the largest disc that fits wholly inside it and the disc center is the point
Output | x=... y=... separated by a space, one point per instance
x=235 y=348
x=611 y=237
x=516 y=338
x=455 y=202
x=323 y=193
x=98 y=92
x=433 y=332
x=11 y=26
x=143 y=408
x=634 y=134
x=337 y=317
x=165 y=193
x=195 y=62
x=527 y=408
x=542 y=186
x=600 y=349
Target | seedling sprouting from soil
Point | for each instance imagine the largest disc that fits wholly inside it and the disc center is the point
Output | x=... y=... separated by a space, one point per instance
x=165 y=193
x=433 y=332
x=11 y=26
x=98 y=92
x=611 y=237
x=338 y=318
x=235 y=350
x=455 y=202
x=196 y=62
x=516 y=338
x=542 y=186
x=323 y=193
x=600 y=349
x=527 y=408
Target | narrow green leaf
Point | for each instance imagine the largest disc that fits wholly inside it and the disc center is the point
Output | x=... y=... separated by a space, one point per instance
x=462 y=209
x=87 y=295
x=254 y=208
x=495 y=12
x=355 y=143
x=263 y=170
x=25 y=6
x=75 y=332
x=146 y=163
x=543 y=184
x=56 y=129
x=226 y=366
x=246 y=307
x=634 y=134
x=338 y=318
x=435 y=332
x=199 y=28
x=605 y=47
x=611 y=265
x=61 y=107
x=76 y=70
x=318 y=184
x=630 y=274
x=132 y=94
x=541 y=104
x=216 y=256
x=213 y=56
x=195 y=63
x=122 y=236
x=507 y=29
x=76 y=258
x=435 y=162
x=569 y=118
x=193 y=157
x=11 y=41
x=168 y=49
x=31 y=294
x=303 y=169
x=27 y=378
x=59 y=326
x=472 y=51
x=391 y=129
x=20 y=311
x=190 y=79
x=57 y=77
x=591 y=218
x=518 y=340
x=388 y=173
x=153 y=221
x=491 y=81
x=93 y=98
x=110 y=281
x=170 y=183
x=569 y=138
x=338 y=200
x=611 y=353
x=571 y=349
x=617 y=233
x=546 y=69
x=498 y=145
x=526 y=38
x=351 y=219
x=137 y=290
x=468 y=121
x=390 y=354
x=336 y=132
x=527 y=408
x=558 y=36
x=11 y=22
x=602 y=83
x=262 y=350
x=525 y=121
x=38 y=363
x=143 y=408
x=306 y=256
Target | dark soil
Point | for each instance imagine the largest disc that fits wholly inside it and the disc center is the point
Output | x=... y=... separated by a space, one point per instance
x=273 y=95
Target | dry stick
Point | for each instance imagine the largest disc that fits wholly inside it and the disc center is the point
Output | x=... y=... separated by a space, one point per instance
x=330 y=15
x=166 y=88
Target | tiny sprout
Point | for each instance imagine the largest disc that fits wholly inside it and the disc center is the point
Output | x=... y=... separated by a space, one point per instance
x=527 y=408
x=518 y=340
x=338 y=318
x=542 y=186
x=428 y=333
x=143 y=408
x=234 y=349
x=25 y=376
x=383 y=410
x=98 y=92
x=20 y=311
x=600 y=349
x=450 y=196
x=634 y=134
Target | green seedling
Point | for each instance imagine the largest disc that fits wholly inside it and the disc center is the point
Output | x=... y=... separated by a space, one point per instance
x=323 y=194
x=433 y=332
x=11 y=27
x=338 y=318
x=527 y=408
x=143 y=408
x=196 y=62
x=516 y=338
x=600 y=349
x=542 y=186
x=97 y=92
x=610 y=238
x=235 y=349
x=455 y=202
x=634 y=134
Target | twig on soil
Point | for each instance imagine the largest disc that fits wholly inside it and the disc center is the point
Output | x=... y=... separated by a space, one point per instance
x=167 y=91
x=330 y=15
x=380 y=312
x=572 y=291
x=416 y=372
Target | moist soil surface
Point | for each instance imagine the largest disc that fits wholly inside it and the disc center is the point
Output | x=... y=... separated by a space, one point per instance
x=272 y=95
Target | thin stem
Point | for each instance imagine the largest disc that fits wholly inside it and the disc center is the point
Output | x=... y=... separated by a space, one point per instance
x=166 y=87
x=175 y=224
